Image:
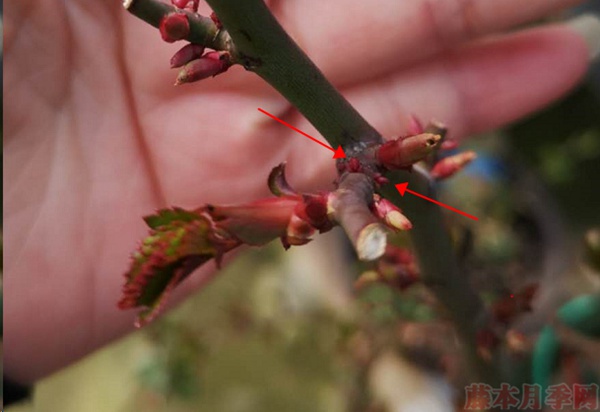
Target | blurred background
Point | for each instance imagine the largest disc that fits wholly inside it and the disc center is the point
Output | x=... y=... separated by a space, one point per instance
x=312 y=330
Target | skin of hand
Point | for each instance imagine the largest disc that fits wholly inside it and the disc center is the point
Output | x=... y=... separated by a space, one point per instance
x=96 y=135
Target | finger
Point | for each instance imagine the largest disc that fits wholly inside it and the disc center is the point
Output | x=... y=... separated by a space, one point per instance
x=475 y=89
x=356 y=39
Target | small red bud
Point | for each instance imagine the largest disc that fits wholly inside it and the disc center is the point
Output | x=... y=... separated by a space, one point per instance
x=174 y=26
x=183 y=4
x=380 y=179
x=180 y=4
x=216 y=20
x=354 y=165
x=450 y=165
x=391 y=214
x=210 y=64
x=186 y=54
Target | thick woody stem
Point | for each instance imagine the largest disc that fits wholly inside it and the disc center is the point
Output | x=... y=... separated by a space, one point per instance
x=438 y=265
x=350 y=208
x=203 y=30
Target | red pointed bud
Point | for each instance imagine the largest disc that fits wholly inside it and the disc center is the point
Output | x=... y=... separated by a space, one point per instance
x=180 y=4
x=354 y=165
x=380 y=179
x=390 y=214
x=450 y=165
x=403 y=153
x=183 y=4
x=215 y=19
x=174 y=26
x=210 y=64
x=186 y=54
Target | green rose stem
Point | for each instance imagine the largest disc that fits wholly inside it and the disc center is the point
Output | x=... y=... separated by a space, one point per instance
x=257 y=41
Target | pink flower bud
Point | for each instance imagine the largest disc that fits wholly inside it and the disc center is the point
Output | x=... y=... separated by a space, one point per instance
x=215 y=19
x=180 y=4
x=174 y=26
x=403 y=153
x=380 y=179
x=210 y=64
x=391 y=214
x=354 y=165
x=184 y=4
x=450 y=165
x=186 y=54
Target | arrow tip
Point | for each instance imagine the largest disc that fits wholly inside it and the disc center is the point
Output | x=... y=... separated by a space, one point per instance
x=402 y=188
x=339 y=153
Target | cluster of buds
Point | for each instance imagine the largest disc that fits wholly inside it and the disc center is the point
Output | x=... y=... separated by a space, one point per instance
x=208 y=65
x=193 y=62
x=397 y=268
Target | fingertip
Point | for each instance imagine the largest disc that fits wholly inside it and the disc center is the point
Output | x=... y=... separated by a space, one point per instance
x=504 y=79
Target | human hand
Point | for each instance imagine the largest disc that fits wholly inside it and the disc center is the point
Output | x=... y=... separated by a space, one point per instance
x=96 y=135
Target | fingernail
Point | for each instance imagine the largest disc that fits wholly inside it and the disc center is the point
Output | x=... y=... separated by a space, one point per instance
x=588 y=26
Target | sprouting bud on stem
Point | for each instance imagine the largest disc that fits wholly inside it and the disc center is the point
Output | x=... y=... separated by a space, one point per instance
x=390 y=214
x=186 y=54
x=403 y=153
x=174 y=26
x=183 y=4
x=450 y=165
x=180 y=4
x=210 y=64
x=215 y=19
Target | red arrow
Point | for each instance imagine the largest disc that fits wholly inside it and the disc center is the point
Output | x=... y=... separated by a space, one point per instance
x=403 y=187
x=337 y=153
